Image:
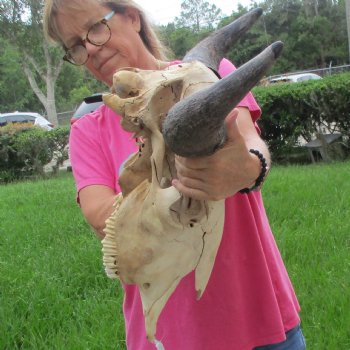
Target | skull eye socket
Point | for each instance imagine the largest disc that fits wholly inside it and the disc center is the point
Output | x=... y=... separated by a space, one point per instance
x=127 y=84
x=126 y=91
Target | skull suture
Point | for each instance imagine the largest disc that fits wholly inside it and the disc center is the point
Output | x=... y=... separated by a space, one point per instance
x=156 y=236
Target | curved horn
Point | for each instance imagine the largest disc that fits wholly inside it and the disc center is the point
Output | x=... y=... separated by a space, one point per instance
x=195 y=125
x=212 y=49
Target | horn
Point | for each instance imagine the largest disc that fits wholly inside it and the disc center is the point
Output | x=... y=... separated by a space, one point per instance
x=212 y=49
x=195 y=125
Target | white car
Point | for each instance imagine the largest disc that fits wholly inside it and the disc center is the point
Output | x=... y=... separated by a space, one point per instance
x=25 y=117
x=295 y=78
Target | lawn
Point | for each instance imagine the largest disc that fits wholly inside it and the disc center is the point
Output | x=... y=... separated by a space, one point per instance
x=54 y=293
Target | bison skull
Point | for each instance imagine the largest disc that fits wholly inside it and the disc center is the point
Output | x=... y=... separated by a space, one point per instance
x=156 y=236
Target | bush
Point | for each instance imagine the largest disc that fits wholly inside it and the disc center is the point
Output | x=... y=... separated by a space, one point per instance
x=25 y=149
x=291 y=111
x=59 y=137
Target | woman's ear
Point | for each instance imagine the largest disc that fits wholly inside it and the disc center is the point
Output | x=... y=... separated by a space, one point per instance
x=134 y=15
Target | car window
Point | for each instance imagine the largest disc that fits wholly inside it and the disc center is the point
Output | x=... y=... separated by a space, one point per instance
x=280 y=80
x=85 y=108
x=304 y=78
x=2 y=121
x=25 y=117
x=18 y=118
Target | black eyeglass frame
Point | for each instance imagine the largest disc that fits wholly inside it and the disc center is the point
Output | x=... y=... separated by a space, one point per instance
x=68 y=57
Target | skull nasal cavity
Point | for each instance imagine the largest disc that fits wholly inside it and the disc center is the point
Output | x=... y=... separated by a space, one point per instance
x=146 y=285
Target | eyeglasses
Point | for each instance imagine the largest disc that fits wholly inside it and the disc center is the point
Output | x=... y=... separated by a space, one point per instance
x=98 y=35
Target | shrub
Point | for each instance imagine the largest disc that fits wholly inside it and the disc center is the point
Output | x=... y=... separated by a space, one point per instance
x=291 y=111
x=25 y=149
x=35 y=148
x=11 y=163
x=59 y=137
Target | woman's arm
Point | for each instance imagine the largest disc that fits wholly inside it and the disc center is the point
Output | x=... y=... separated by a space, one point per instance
x=96 y=202
x=211 y=178
x=230 y=169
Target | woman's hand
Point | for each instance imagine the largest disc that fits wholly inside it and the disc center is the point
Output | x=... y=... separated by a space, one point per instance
x=228 y=170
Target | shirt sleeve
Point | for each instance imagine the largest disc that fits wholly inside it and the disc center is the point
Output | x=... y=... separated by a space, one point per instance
x=225 y=68
x=89 y=163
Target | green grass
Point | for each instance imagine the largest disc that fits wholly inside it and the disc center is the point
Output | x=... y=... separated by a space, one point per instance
x=53 y=290
x=54 y=293
x=309 y=211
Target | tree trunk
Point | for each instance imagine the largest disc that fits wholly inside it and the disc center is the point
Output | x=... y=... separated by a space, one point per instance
x=52 y=72
x=47 y=101
x=311 y=8
x=347 y=5
x=50 y=102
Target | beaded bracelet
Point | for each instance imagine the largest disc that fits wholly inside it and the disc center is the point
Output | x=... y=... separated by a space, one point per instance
x=264 y=169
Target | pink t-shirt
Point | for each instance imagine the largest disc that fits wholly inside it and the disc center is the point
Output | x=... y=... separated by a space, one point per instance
x=249 y=300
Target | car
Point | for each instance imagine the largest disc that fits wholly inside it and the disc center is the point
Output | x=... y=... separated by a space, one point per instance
x=25 y=117
x=294 y=78
x=89 y=104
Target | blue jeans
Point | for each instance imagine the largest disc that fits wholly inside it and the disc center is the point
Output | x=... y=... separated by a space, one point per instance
x=295 y=341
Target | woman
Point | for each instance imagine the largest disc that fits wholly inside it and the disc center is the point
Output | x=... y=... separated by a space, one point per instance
x=249 y=301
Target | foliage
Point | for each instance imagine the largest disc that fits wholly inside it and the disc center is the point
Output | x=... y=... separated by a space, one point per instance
x=59 y=137
x=15 y=91
x=26 y=149
x=313 y=32
x=39 y=81
x=21 y=26
x=295 y=110
x=74 y=84
x=9 y=161
x=197 y=19
x=32 y=150
x=198 y=15
x=182 y=39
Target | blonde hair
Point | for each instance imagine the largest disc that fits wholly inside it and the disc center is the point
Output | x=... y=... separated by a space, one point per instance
x=147 y=32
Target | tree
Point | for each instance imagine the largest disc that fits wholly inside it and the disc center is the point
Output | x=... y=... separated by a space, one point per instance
x=347 y=4
x=15 y=91
x=180 y=39
x=21 y=25
x=313 y=32
x=198 y=15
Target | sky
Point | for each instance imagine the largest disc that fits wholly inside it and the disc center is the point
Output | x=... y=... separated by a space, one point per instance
x=164 y=11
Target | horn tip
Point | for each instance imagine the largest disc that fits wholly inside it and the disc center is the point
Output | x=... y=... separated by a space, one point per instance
x=277 y=48
x=258 y=11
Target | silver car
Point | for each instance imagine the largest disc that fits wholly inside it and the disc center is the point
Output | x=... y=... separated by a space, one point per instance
x=25 y=117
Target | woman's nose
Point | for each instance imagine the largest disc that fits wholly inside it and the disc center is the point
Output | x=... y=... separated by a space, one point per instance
x=91 y=49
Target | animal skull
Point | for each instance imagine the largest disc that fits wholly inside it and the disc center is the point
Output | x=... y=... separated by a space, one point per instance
x=155 y=235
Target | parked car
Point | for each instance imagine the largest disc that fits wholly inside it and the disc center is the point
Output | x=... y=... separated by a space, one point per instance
x=89 y=104
x=294 y=78
x=25 y=117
